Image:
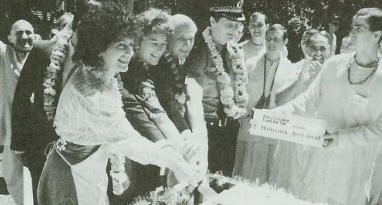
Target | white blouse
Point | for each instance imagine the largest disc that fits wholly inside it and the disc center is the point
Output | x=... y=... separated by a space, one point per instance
x=87 y=115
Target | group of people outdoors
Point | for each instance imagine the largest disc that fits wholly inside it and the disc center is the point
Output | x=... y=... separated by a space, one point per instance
x=116 y=105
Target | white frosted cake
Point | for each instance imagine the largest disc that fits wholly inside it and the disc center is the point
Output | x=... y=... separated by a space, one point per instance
x=243 y=194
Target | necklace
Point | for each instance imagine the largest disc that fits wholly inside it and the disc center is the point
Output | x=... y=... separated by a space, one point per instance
x=367 y=77
x=233 y=100
x=372 y=64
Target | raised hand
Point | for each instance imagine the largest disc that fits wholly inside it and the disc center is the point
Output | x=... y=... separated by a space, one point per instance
x=314 y=68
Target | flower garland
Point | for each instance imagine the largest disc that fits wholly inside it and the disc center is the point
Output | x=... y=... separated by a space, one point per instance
x=228 y=96
x=118 y=174
x=178 y=88
x=51 y=80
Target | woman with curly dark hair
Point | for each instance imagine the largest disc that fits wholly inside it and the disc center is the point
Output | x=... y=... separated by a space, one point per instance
x=90 y=122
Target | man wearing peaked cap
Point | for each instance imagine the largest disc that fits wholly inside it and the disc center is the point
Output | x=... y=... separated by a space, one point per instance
x=218 y=66
x=230 y=9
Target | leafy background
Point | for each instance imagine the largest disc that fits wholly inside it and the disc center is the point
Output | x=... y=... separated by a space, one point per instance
x=296 y=15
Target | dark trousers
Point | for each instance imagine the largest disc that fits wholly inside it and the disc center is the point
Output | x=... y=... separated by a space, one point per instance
x=35 y=163
x=222 y=145
x=143 y=180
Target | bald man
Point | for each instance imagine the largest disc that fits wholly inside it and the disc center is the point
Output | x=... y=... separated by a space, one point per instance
x=31 y=130
x=12 y=59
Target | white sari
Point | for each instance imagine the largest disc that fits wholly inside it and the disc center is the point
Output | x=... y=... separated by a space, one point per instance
x=341 y=174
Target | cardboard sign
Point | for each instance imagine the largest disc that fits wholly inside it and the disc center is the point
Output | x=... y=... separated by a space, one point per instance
x=291 y=128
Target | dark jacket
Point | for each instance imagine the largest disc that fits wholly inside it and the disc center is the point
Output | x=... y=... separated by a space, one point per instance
x=164 y=81
x=137 y=86
x=137 y=112
x=31 y=131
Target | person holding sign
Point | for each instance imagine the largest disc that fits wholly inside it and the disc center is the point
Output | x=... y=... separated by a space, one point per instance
x=267 y=76
x=346 y=94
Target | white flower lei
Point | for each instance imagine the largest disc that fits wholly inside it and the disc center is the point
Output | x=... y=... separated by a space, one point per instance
x=117 y=173
x=57 y=59
x=228 y=96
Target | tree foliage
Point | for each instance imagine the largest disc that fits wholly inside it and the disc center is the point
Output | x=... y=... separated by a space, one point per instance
x=296 y=15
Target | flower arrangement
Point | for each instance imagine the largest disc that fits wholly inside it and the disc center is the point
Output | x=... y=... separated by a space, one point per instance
x=234 y=101
x=53 y=71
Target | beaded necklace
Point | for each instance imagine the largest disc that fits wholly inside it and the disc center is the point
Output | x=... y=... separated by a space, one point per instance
x=369 y=65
